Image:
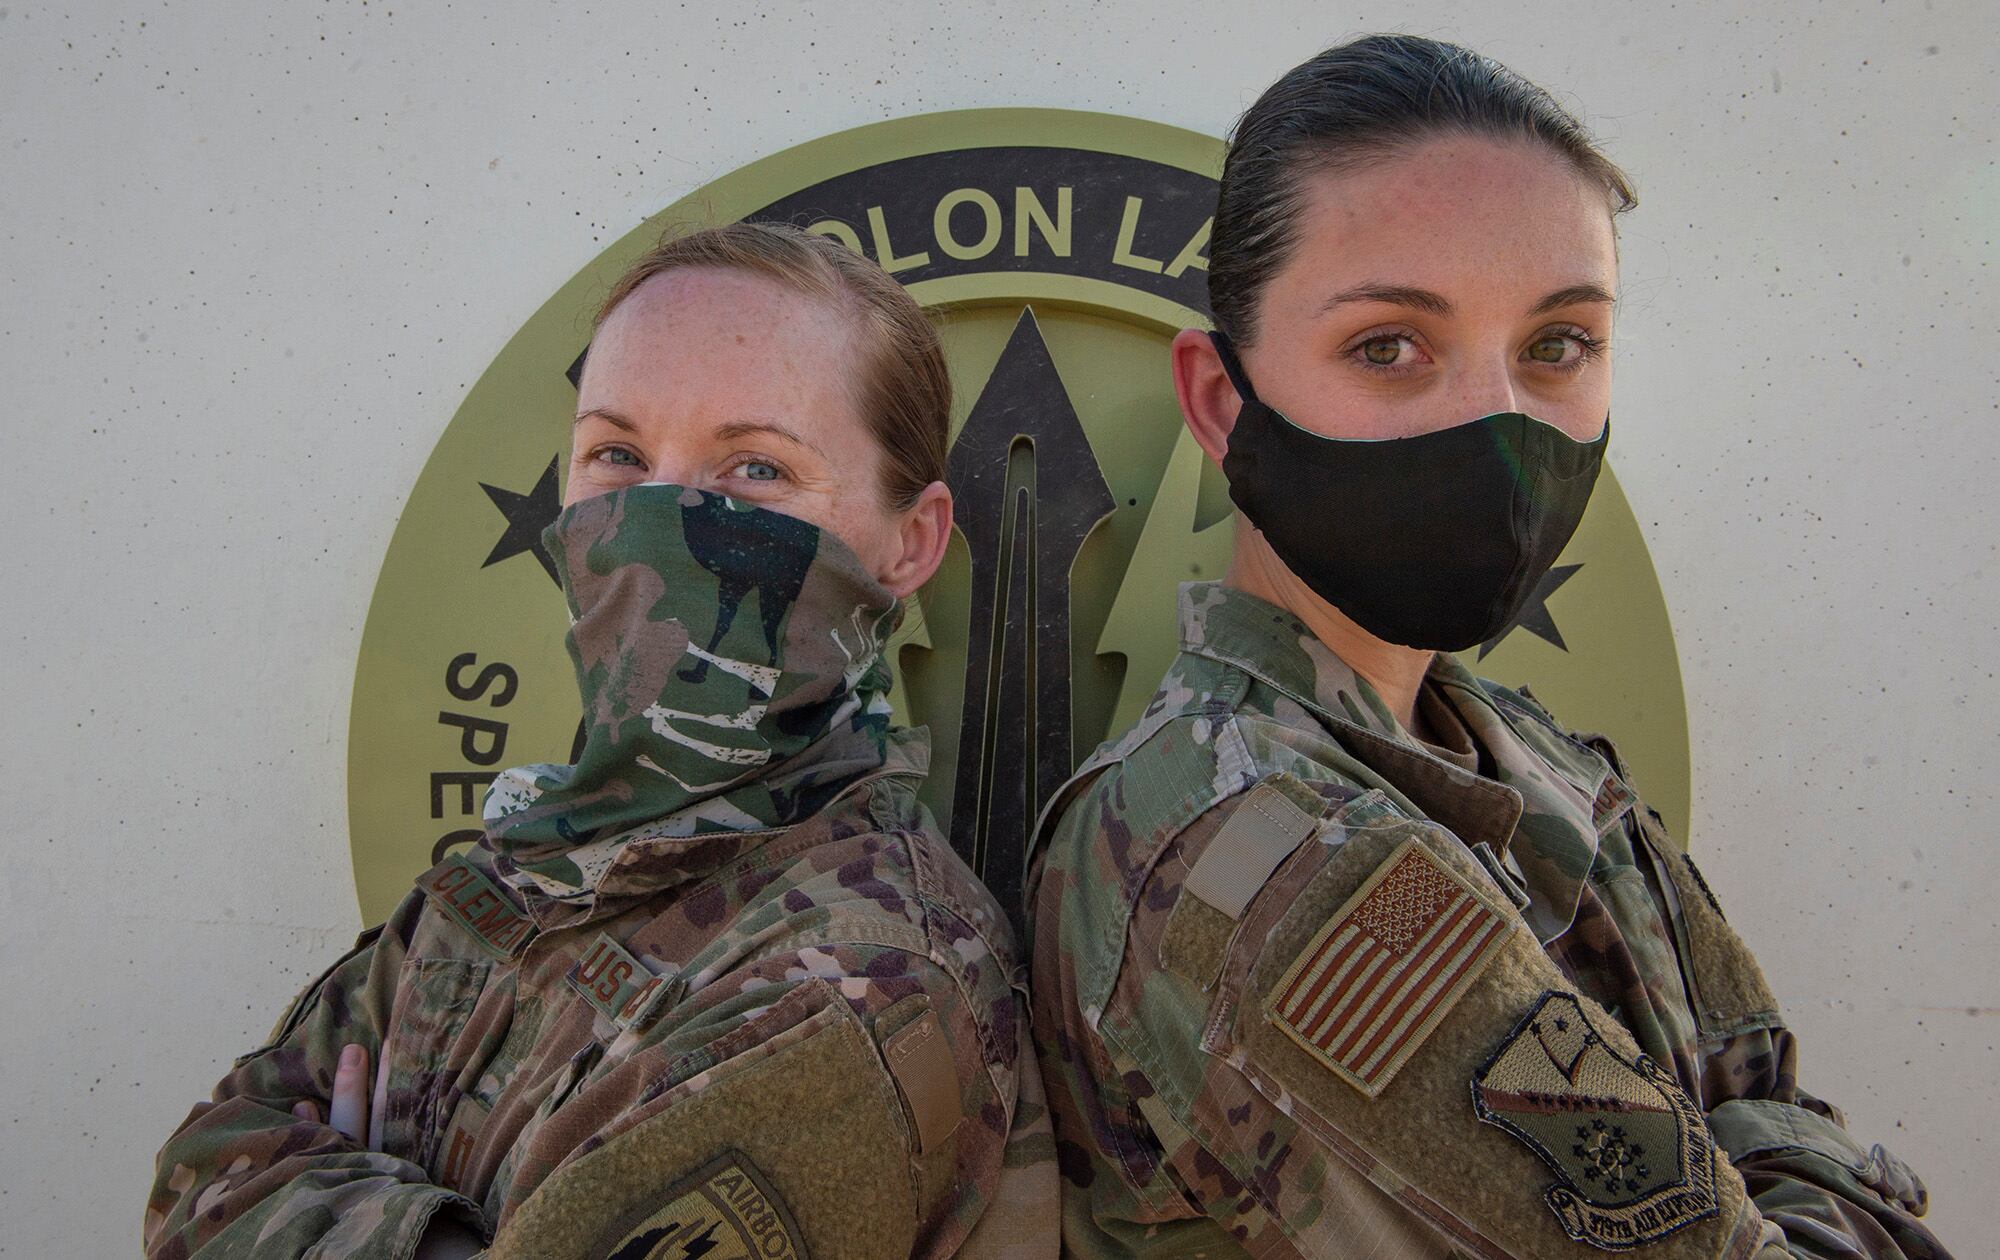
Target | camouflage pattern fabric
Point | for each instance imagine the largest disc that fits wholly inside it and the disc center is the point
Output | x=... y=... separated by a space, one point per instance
x=1185 y=1125
x=697 y=718
x=793 y=1011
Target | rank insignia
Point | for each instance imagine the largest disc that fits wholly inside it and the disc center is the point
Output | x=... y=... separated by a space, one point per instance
x=1629 y=1147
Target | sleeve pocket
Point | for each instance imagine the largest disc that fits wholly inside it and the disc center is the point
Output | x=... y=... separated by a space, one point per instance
x=795 y=1147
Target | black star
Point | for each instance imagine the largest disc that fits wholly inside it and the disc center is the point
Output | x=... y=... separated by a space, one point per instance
x=1535 y=618
x=527 y=516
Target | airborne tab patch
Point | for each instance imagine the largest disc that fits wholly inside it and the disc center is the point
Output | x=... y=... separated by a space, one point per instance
x=1372 y=985
x=1630 y=1148
x=477 y=905
x=726 y=1211
x=620 y=987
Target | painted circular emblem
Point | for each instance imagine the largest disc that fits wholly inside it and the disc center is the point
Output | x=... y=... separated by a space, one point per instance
x=1059 y=252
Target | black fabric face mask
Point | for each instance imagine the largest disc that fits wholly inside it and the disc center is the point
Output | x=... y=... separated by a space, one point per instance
x=1434 y=541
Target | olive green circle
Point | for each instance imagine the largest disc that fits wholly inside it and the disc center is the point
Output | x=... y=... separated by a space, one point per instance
x=423 y=712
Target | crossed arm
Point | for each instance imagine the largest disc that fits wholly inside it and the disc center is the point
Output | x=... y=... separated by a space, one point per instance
x=347 y=1112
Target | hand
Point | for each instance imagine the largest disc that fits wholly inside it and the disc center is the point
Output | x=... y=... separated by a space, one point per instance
x=347 y=1110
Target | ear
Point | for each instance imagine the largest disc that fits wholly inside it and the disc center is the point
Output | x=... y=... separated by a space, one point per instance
x=921 y=538
x=1209 y=403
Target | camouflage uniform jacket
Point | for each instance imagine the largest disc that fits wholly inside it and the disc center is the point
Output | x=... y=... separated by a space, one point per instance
x=1252 y=1048
x=800 y=1042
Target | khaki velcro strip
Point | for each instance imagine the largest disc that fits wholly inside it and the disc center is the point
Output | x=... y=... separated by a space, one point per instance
x=921 y=1062
x=1259 y=835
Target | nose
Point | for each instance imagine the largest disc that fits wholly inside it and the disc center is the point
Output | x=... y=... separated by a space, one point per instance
x=1485 y=389
x=675 y=466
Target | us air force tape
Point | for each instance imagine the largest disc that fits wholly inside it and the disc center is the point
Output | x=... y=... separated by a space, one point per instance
x=620 y=987
x=461 y=1138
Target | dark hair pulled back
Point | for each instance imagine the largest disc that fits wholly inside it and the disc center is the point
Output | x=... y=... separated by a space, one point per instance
x=1358 y=102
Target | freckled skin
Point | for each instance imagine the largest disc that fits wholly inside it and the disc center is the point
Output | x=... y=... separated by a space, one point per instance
x=695 y=350
x=1493 y=228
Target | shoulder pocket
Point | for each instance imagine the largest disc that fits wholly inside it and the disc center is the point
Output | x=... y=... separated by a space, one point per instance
x=794 y=1148
x=1390 y=1001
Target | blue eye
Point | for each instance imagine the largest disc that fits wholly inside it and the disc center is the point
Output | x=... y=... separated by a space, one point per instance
x=759 y=470
x=611 y=454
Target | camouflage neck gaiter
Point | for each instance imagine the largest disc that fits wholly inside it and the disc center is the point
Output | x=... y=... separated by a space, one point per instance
x=731 y=665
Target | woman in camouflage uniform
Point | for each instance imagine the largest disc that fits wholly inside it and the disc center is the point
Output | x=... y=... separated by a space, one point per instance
x=1342 y=951
x=719 y=988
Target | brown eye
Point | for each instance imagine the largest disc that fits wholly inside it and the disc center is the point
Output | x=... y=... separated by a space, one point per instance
x=1383 y=351
x=1549 y=350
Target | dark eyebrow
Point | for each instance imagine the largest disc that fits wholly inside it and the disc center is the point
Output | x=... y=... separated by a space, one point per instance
x=1572 y=296
x=1437 y=304
x=1394 y=295
x=609 y=417
x=743 y=428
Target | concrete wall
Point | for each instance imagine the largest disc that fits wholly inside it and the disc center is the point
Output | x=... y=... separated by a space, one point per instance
x=252 y=255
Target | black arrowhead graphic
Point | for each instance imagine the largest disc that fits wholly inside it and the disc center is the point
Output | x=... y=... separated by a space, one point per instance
x=1024 y=522
x=1535 y=618
x=527 y=516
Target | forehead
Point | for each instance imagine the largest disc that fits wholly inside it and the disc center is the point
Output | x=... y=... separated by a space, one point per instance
x=1453 y=214
x=694 y=331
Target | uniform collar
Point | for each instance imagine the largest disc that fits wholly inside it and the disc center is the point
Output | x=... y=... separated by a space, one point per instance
x=1543 y=809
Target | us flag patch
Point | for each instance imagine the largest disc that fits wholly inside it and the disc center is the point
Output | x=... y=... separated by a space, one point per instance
x=1379 y=977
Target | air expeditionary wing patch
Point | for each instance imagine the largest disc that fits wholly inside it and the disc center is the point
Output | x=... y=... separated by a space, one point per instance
x=1630 y=1148
x=1372 y=985
x=726 y=1211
